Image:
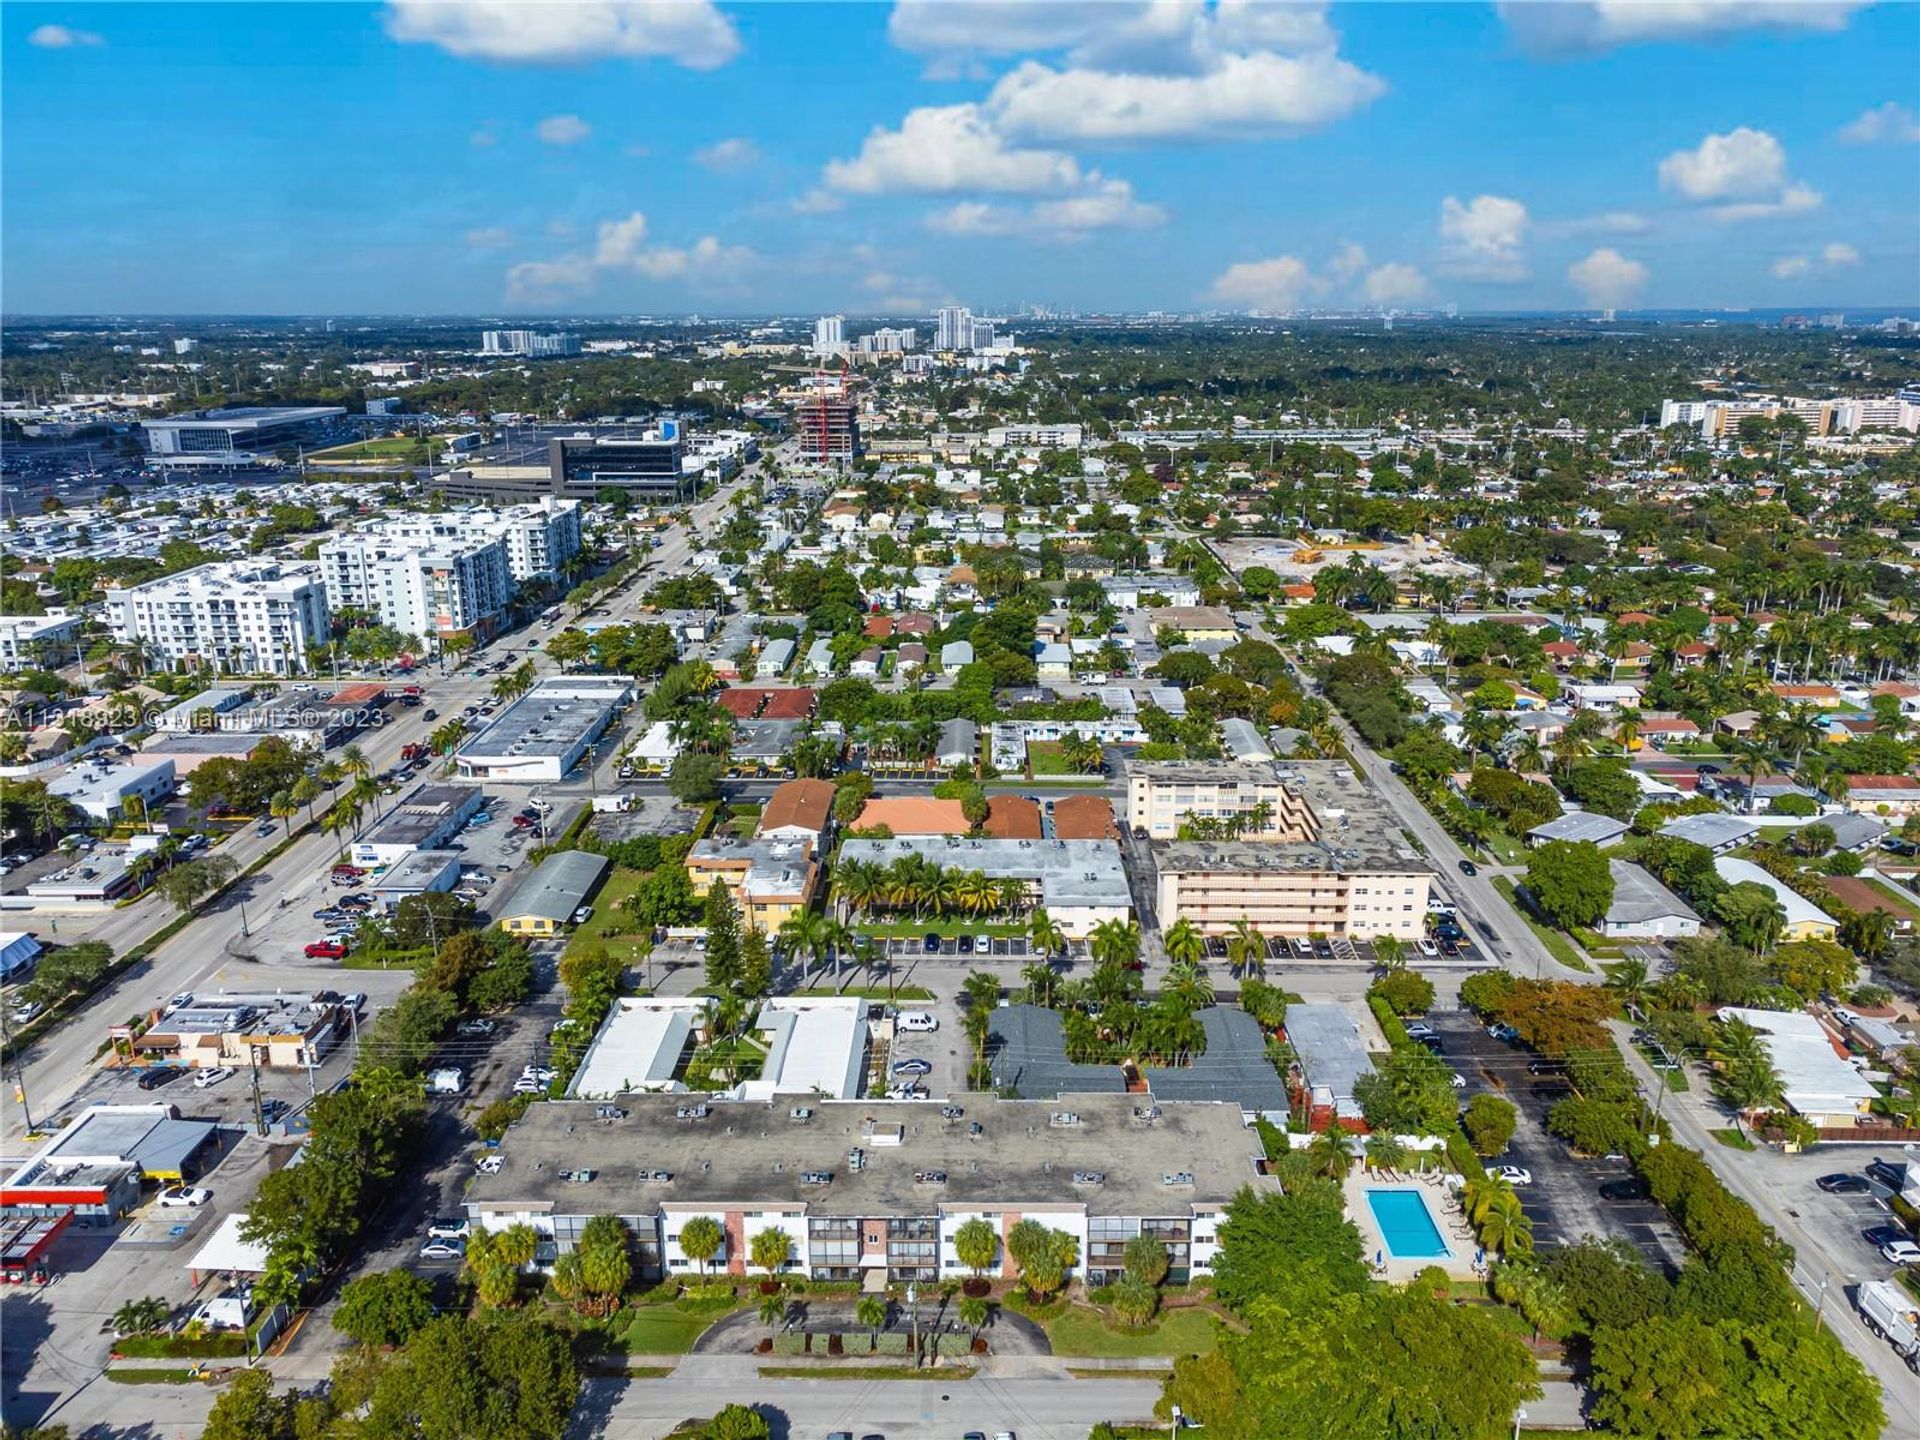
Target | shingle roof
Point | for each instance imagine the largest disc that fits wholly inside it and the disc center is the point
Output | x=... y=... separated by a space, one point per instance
x=801 y=804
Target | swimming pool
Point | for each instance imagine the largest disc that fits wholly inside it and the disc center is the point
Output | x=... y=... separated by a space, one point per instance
x=1407 y=1225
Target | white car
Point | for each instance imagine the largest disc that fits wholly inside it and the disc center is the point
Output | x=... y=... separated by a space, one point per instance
x=1900 y=1252
x=207 y=1079
x=1427 y=948
x=184 y=1196
x=1459 y=1081
x=1512 y=1174
x=920 y=1021
x=538 y=1072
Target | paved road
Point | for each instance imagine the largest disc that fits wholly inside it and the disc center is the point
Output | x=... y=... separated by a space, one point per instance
x=58 y=1065
x=1817 y=1262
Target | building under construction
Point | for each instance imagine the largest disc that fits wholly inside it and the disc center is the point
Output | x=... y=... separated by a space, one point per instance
x=828 y=428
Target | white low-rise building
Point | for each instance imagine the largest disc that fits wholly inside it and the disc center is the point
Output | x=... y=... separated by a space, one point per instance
x=1814 y=1081
x=102 y=795
x=36 y=642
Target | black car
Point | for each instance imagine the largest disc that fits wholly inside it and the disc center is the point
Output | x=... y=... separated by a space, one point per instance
x=429 y=714
x=1467 y=867
x=1434 y=1043
x=1891 y=1176
x=1546 y=1067
x=1880 y=1235
x=1323 y=948
x=1635 y=1189
x=964 y=945
x=158 y=1075
x=932 y=944
x=1844 y=1185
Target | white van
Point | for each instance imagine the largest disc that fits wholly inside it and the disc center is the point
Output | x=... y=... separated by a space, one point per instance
x=449 y=1080
x=919 y=1021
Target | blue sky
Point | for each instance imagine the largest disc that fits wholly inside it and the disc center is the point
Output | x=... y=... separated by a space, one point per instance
x=612 y=156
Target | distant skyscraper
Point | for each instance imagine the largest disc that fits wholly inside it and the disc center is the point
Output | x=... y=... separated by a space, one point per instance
x=953 y=328
x=980 y=336
x=829 y=336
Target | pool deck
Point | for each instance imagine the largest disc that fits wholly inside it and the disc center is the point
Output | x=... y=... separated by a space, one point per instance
x=1443 y=1205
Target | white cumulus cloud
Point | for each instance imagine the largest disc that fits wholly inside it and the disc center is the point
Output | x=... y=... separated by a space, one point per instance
x=622 y=247
x=1350 y=261
x=1281 y=283
x=63 y=37
x=1484 y=238
x=692 y=33
x=1838 y=253
x=1890 y=122
x=1607 y=278
x=1611 y=222
x=1110 y=205
x=1741 y=175
x=949 y=149
x=1151 y=36
x=563 y=130
x=1585 y=26
x=1255 y=94
x=736 y=153
x=1395 y=284
x=1789 y=266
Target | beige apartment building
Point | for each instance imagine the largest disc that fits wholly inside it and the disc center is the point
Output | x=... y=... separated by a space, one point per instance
x=1328 y=858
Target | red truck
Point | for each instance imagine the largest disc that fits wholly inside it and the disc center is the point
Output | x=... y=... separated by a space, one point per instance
x=326 y=950
x=412 y=752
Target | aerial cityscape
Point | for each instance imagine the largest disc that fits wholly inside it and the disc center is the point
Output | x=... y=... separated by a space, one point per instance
x=982 y=719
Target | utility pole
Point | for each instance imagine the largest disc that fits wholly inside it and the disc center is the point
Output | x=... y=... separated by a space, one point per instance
x=253 y=1073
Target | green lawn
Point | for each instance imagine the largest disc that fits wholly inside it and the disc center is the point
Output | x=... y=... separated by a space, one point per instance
x=1557 y=944
x=608 y=928
x=1044 y=758
x=408 y=448
x=1733 y=1139
x=663 y=1330
x=872 y=992
x=1082 y=1331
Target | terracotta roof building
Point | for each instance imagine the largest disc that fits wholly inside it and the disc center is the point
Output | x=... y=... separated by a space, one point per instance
x=1084 y=817
x=913 y=815
x=798 y=810
x=1013 y=817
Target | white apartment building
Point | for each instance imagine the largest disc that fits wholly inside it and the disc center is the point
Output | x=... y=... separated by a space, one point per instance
x=529 y=343
x=1716 y=418
x=953 y=328
x=243 y=617
x=1043 y=437
x=830 y=336
x=28 y=642
x=421 y=586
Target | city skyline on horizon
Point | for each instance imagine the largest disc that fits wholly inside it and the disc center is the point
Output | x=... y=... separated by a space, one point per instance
x=472 y=159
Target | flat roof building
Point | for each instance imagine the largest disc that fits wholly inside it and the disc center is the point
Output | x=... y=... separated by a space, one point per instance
x=877 y=1188
x=816 y=1045
x=103 y=795
x=1079 y=882
x=547 y=900
x=290 y=1030
x=228 y=617
x=95 y=1166
x=1331 y=859
x=1333 y=1056
x=37 y=642
x=541 y=736
x=769 y=880
x=425 y=818
x=241 y=435
x=417 y=874
x=1814 y=1081
x=642 y=1045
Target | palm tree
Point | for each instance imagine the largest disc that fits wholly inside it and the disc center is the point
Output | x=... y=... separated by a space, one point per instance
x=773 y=1310
x=1505 y=1226
x=1628 y=980
x=1042 y=984
x=1187 y=986
x=141 y=1317
x=1048 y=938
x=974 y=1312
x=355 y=762
x=283 y=807
x=1246 y=948
x=1753 y=761
x=1390 y=953
x=1329 y=1154
x=1384 y=1152
x=701 y=1239
x=1114 y=942
x=1184 y=943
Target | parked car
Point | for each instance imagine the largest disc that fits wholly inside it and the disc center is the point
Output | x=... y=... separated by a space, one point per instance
x=178 y=1002
x=1891 y=1176
x=1901 y=1252
x=1503 y=1032
x=1512 y=1174
x=527 y=1085
x=207 y=1079
x=429 y=714
x=184 y=1197
x=1427 y=948
x=964 y=944
x=443 y=1250
x=449 y=1227
x=912 y=1067
x=1844 y=1185
x=1419 y=1030
x=326 y=950
x=475 y=1029
x=27 y=1012
x=1878 y=1235
x=331 y=912
x=931 y=943
x=156 y=1076
x=544 y=1074
x=1633 y=1189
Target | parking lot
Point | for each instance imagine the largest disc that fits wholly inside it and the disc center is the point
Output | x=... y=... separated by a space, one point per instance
x=1836 y=1221
x=1564 y=1199
x=946 y=1049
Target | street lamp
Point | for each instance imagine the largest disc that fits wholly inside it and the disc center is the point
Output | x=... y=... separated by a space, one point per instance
x=1518 y=1419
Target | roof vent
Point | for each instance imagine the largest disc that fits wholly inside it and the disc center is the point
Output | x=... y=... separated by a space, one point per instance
x=1177 y=1177
x=1063 y=1119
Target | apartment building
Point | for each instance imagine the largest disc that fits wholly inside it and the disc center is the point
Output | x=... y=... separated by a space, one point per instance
x=1329 y=858
x=455 y=583
x=1080 y=883
x=863 y=1190
x=769 y=880
x=540 y=537
x=1163 y=794
x=242 y=617
x=31 y=642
